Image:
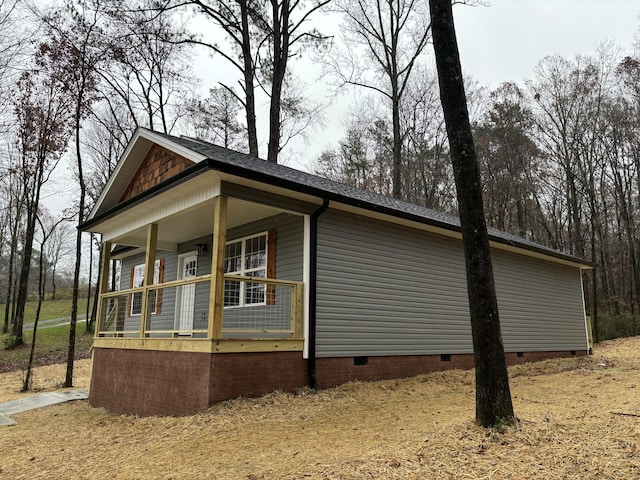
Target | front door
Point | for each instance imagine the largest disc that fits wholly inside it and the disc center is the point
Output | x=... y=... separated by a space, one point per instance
x=186 y=294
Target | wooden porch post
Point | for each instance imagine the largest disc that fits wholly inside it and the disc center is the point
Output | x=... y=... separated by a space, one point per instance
x=103 y=285
x=216 y=300
x=149 y=265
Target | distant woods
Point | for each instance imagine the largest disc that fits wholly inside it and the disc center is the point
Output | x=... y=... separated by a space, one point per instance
x=559 y=153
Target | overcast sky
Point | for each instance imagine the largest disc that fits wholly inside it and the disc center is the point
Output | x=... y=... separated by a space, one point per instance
x=505 y=41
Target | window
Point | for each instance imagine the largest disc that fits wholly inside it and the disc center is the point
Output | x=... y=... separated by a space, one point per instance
x=247 y=257
x=137 y=280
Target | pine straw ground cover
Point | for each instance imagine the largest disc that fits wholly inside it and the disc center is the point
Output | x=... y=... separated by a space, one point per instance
x=579 y=418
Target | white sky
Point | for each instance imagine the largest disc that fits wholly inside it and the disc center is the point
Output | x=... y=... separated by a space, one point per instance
x=505 y=41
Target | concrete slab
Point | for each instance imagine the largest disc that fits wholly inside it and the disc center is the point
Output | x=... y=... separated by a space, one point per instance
x=6 y=421
x=41 y=400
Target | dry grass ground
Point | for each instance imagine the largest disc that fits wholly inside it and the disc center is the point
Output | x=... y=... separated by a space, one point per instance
x=579 y=419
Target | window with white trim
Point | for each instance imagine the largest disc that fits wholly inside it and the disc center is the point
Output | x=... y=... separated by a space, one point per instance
x=138 y=281
x=246 y=257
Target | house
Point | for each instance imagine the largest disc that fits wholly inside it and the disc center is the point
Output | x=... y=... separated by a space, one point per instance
x=237 y=277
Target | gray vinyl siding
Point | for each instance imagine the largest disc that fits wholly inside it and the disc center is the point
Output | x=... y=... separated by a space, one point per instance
x=541 y=304
x=386 y=289
x=289 y=242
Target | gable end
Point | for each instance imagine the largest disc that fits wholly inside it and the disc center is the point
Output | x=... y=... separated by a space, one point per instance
x=159 y=165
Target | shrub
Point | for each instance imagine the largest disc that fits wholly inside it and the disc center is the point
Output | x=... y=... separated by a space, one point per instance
x=616 y=326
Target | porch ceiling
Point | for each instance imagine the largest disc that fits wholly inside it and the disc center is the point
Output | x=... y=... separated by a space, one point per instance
x=196 y=223
x=182 y=213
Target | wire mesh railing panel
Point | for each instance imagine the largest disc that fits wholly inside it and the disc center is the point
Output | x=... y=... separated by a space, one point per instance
x=178 y=310
x=260 y=309
x=115 y=318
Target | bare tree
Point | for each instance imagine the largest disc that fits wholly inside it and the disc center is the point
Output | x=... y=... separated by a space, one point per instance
x=383 y=42
x=510 y=161
x=74 y=48
x=148 y=68
x=46 y=232
x=15 y=32
x=263 y=36
x=493 y=396
x=44 y=113
x=59 y=246
x=13 y=194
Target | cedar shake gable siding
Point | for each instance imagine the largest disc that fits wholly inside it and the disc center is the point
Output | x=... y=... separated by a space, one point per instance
x=159 y=165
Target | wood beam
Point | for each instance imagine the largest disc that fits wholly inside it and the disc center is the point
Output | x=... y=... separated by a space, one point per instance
x=103 y=285
x=216 y=296
x=149 y=264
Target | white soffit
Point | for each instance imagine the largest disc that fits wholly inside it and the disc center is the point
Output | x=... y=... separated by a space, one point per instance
x=177 y=200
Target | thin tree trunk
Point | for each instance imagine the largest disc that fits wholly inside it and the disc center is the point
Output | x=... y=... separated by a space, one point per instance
x=23 y=283
x=68 y=382
x=280 y=57
x=26 y=384
x=10 y=284
x=249 y=73
x=493 y=396
x=397 y=144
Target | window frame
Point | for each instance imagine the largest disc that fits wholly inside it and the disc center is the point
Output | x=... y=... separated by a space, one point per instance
x=158 y=267
x=249 y=272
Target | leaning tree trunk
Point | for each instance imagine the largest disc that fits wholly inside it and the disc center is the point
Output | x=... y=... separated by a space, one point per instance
x=26 y=382
x=71 y=352
x=493 y=397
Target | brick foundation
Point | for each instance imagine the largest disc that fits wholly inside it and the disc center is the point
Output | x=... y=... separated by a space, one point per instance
x=254 y=374
x=332 y=372
x=148 y=382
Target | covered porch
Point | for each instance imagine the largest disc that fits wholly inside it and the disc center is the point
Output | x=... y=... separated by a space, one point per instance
x=185 y=285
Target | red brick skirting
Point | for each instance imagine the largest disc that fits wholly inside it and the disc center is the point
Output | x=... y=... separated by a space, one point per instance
x=148 y=382
x=332 y=372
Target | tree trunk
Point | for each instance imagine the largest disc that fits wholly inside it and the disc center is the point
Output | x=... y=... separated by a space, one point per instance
x=68 y=382
x=249 y=74
x=280 y=57
x=10 y=278
x=23 y=282
x=26 y=383
x=397 y=143
x=493 y=396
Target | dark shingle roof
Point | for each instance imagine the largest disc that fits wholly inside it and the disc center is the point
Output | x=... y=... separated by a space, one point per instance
x=249 y=167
